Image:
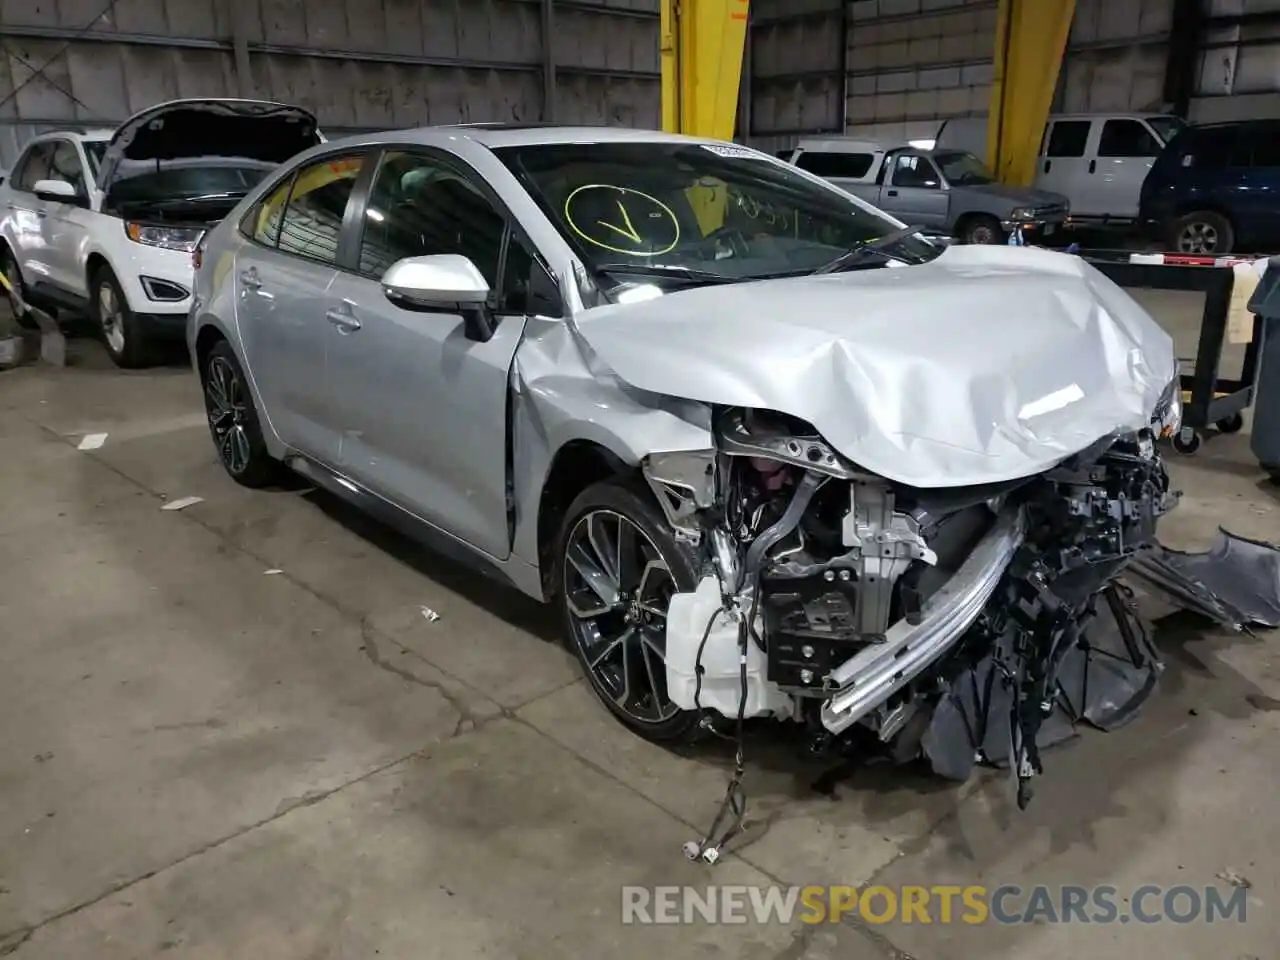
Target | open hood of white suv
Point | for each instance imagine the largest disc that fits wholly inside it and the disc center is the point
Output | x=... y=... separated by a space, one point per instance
x=212 y=132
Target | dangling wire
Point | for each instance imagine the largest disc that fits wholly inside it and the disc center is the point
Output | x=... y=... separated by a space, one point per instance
x=729 y=820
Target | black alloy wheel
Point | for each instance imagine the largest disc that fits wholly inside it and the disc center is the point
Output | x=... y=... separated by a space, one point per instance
x=618 y=568
x=233 y=421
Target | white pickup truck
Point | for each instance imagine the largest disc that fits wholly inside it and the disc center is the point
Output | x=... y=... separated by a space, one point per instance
x=949 y=191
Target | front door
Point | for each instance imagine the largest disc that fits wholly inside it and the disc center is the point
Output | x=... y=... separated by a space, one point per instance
x=423 y=406
x=1126 y=150
x=914 y=191
x=66 y=223
x=283 y=281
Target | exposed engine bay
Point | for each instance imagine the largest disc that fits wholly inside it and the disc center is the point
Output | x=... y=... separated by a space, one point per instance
x=957 y=625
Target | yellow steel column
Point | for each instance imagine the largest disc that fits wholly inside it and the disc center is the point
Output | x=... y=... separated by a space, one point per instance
x=701 y=50
x=1031 y=37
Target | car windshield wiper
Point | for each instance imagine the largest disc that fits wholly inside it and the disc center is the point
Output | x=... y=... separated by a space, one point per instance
x=868 y=247
x=667 y=271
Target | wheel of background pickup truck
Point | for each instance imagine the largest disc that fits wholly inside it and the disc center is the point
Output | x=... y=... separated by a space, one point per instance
x=119 y=329
x=9 y=267
x=233 y=421
x=617 y=566
x=1202 y=232
x=1186 y=442
x=982 y=229
x=1231 y=424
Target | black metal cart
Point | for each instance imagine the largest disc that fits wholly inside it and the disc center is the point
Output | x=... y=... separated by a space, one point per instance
x=1208 y=399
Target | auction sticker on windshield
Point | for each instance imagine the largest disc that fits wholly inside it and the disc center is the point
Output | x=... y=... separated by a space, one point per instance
x=729 y=150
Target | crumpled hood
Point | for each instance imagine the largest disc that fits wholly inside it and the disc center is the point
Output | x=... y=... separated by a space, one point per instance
x=986 y=364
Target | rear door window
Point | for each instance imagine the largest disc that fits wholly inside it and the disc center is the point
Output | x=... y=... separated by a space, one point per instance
x=851 y=166
x=312 y=222
x=1068 y=138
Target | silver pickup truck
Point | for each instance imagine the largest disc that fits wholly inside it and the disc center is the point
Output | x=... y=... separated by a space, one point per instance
x=949 y=191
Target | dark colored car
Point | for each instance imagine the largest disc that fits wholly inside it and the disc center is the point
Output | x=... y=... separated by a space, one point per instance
x=1216 y=189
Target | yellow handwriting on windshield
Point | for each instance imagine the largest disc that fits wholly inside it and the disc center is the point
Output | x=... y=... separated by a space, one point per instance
x=629 y=231
x=644 y=225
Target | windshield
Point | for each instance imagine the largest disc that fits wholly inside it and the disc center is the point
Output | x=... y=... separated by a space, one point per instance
x=148 y=181
x=1166 y=127
x=709 y=212
x=963 y=169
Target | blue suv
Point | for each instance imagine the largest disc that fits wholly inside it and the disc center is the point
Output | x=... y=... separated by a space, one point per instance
x=1216 y=189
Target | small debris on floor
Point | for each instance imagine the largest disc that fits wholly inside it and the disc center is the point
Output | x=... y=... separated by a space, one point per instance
x=430 y=615
x=271 y=573
x=1235 y=879
x=92 y=441
x=181 y=504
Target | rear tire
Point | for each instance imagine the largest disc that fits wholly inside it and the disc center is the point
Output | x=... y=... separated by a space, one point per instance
x=117 y=325
x=621 y=645
x=233 y=421
x=1202 y=233
x=982 y=230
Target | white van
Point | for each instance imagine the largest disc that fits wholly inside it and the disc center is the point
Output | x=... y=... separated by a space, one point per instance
x=1097 y=160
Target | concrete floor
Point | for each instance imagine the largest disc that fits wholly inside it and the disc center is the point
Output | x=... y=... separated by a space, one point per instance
x=204 y=758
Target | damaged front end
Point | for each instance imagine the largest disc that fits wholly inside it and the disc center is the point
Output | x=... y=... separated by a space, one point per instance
x=959 y=624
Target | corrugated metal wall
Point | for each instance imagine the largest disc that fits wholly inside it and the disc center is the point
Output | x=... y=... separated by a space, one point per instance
x=912 y=63
x=1238 y=73
x=360 y=64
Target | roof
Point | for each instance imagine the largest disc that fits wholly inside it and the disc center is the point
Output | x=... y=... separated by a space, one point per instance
x=523 y=135
x=82 y=133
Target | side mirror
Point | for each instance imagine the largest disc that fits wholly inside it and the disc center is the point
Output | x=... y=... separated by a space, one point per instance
x=446 y=283
x=59 y=191
x=440 y=282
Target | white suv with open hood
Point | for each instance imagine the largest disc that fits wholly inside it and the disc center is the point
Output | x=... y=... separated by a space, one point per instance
x=106 y=221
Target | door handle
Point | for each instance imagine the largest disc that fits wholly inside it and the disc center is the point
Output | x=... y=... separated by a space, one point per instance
x=250 y=278
x=891 y=193
x=1093 y=166
x=344 y=321
x=42 y=214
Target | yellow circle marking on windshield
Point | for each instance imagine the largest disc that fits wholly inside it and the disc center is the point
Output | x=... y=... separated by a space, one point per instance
x=622 y=224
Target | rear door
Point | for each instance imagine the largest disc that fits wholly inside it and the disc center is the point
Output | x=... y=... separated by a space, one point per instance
x=423 y=406
x=26 y=213
x=1064 y=167
x=914 y=191
x=283 y=279
x=1126 y=149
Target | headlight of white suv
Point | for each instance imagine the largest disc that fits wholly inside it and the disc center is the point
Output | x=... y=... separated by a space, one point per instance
x=183 y=239
x=1167 y=419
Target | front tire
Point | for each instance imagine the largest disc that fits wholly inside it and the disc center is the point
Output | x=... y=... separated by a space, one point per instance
x=117 y=325
x=233 y=421
x=982 y=230
x=617 y=566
